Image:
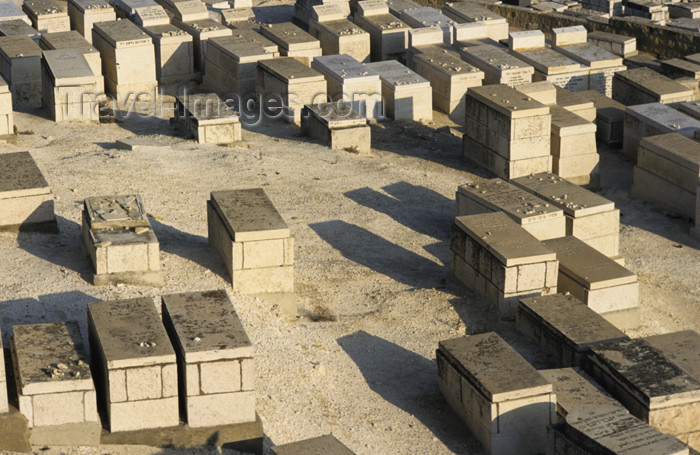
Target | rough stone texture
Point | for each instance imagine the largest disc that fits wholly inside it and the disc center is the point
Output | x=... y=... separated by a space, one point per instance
x=682 y=348
x=326 y=444
x=20 y=66
x=407 y=96
x=338 y=128
x=69 y=86
x=208 y=118
x=643 y=85
x=47 y=16
x=174 y=52
x=84 y=13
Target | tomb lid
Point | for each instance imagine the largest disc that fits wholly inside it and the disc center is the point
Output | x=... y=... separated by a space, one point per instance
x=684 y=66
x=204 y=326
x=681 y=348
x=567 y=123
x=590 y=55
x=588 y=266
x=10 y=10
x=493 y=367
x=574 y=200
x=43 y=7
x=396 y=74
x=447 y=62
x=290 y=69
x=608 y=429
x=207 y=106
x=574 y=388
x=396 y=7
x=343 y=28
x=166 y=31
x=66 y=40
x=150 y=15
x=646 y=373
x=328 y=12
x=249 y=215
x=549 y=61
x=204 y=26
x=239 y=49
x=472 y=12
x=508 y=101
x=426 y=17
x=542 y=91
x=130 y=333
x=386 y=22
x=91 y=6
x=18 y=46
x=611 y=37
x=520 y=205
x=664 y=118
x=190 y=10
x=572 y=320
x=253 y=35
x=288 y=35
x=20 y=176
x=130 y=6
x=122 y=33
x=68 y=67
x=652 y=82
x=322 y=445
x=493 y=57
x=372 y=7
x=335 y=115
x=18 y=27
x=675 y=148
x=692 y=108
x=504 y=238
x=124 y=210
x=50 y=358
x=342 y=67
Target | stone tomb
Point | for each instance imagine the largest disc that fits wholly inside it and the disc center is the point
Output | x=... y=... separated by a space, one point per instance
x=502 y=399
x=174 y=52
x=538 y=217
x=207 y=118
x=251 y=32
x=494 y=256
x=337 y=34
x=326 y=444
x=337 y=127
x=605 y=286
x=650 y=385
x=10 y=11
x=74 y=40
x=353 y=83
x=84 y=13
x=253 y=240
x=69 y=86
x=7 y=124
x=128 y=58
x=427 y=17
x=647 y=9
x=624 y=46
x=468 y=12
x=141 y=12
x=54 y=384
x=675 y=68
x=231 y=65
x=498 y=65
x=589 y=216
x=651 y=120
x=388 y=34
x=549 y=64
x=134 y=365
x=576 y=102
x=644 y=85
x=187 y=10
x=201 y=32
x=507 y=132
x=292 y=41
x=26 y=201
x=47 y=16
x=18 y=27
x=668 y=173
x=20 y=66
x=292 y=83
x=119 y=241
x=407 y=96
x=214 y=358
x=573 y=147
x=610 y=117
x=564 y=327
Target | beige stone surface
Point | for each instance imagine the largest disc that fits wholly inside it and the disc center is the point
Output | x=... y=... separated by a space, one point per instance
x=156 y=413
x=221 y=376
x=144 y=383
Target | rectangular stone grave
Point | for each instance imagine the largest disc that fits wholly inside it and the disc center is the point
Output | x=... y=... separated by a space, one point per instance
x=564 y=327
x=675 y=68
x=252 y=239
x=351 y=81
x=648 y=384
x=469 y=34
x=396 y=7
x=215 y=362
x=201 y=32
x=84 y=13
x=292 y=41
x=141 y=12
x=498 y=65
x=605 y=286
x=10 y=11
x=119 y=241
x=128 y=58
x=544 y=92
x=689 y=10
x=69 y=86
x=655 y=12
x=644 y=85
x=232 y=16
x=174 y=52
x=576 y=102
x=426 y=16
x=207 y=118
x=231 y=65
x=251 y=32
x=505 y=403
x=292 y=83
x=388 y=34
x=6 y=113
x=651 y=120
x=468 y=12
x=668 y=172
x=187 y=10
x=610 y=117
x=573 y=147
x=18 y=27
x=506 y=132
x=26 y=201
x=326 y=444
x=449 y=75
x=407 y=96
x=54 y=384
x=339 y=128
x=74 y=40
x=589 y=216
x=338 y=35
x=47 y=16
x=624 y=46
x=536 y=216
x=134 y=365
x=20 y=66
x=494 y=256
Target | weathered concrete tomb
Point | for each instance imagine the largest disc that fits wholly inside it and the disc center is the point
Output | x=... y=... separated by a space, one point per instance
x=388 y=34
x=646 y=9
x=187 y=10
x=564 y=327
x=427 y=17
x=573 y=147
x=498 y=65
x=494 y=256
x=292 y=41
x=252 y=239
x=201 y=32
x=18 y=27
x=47 y=16
x=26 y=201
x=502 y=399
x=174 y=52
x=292 y=83
x=589 y=216
x=624 y=46
x=207 y=118
x=20 y=66
x=7 y=123
x=231 y=65
x=141 y=12
x=69 y=86
x=337 y=127
x=507 y=132
x=610 y=117
x=74 y=40
x=677 y=68
x=468 y=12
x=326 y=444
x=338 y=35
x=538 y=217
x=134 y=365
x=54 y=384
x=250 y=32
x=10 y=11
x=575 y=102
x=214 y=358
x=119 y=241
x=407 y=96
x=644 y=85
x=601 y=283
x=84 y=13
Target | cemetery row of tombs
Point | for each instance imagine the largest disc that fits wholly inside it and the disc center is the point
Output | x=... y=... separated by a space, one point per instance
x=535 y=241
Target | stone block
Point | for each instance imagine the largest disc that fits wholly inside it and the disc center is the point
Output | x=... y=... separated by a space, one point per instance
x=340 y=36
x=201 y=32
x=498 y=65
x=9 y=27
x=407 y=96
x=20 y=66
x=337 y=128
x=293 y=41
x=644 y=85
x=624 y=46
x=564 y=36
x=682 y=348
x=11 y=11
x=84 y=13
x=47 y=16
x=207 y=118
x=174 y=54
x=426 y=16
x=530 y=39
x=322 y=444
x=468 y=12
x=388 y=35
x=74 y=40
x=69 y=86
